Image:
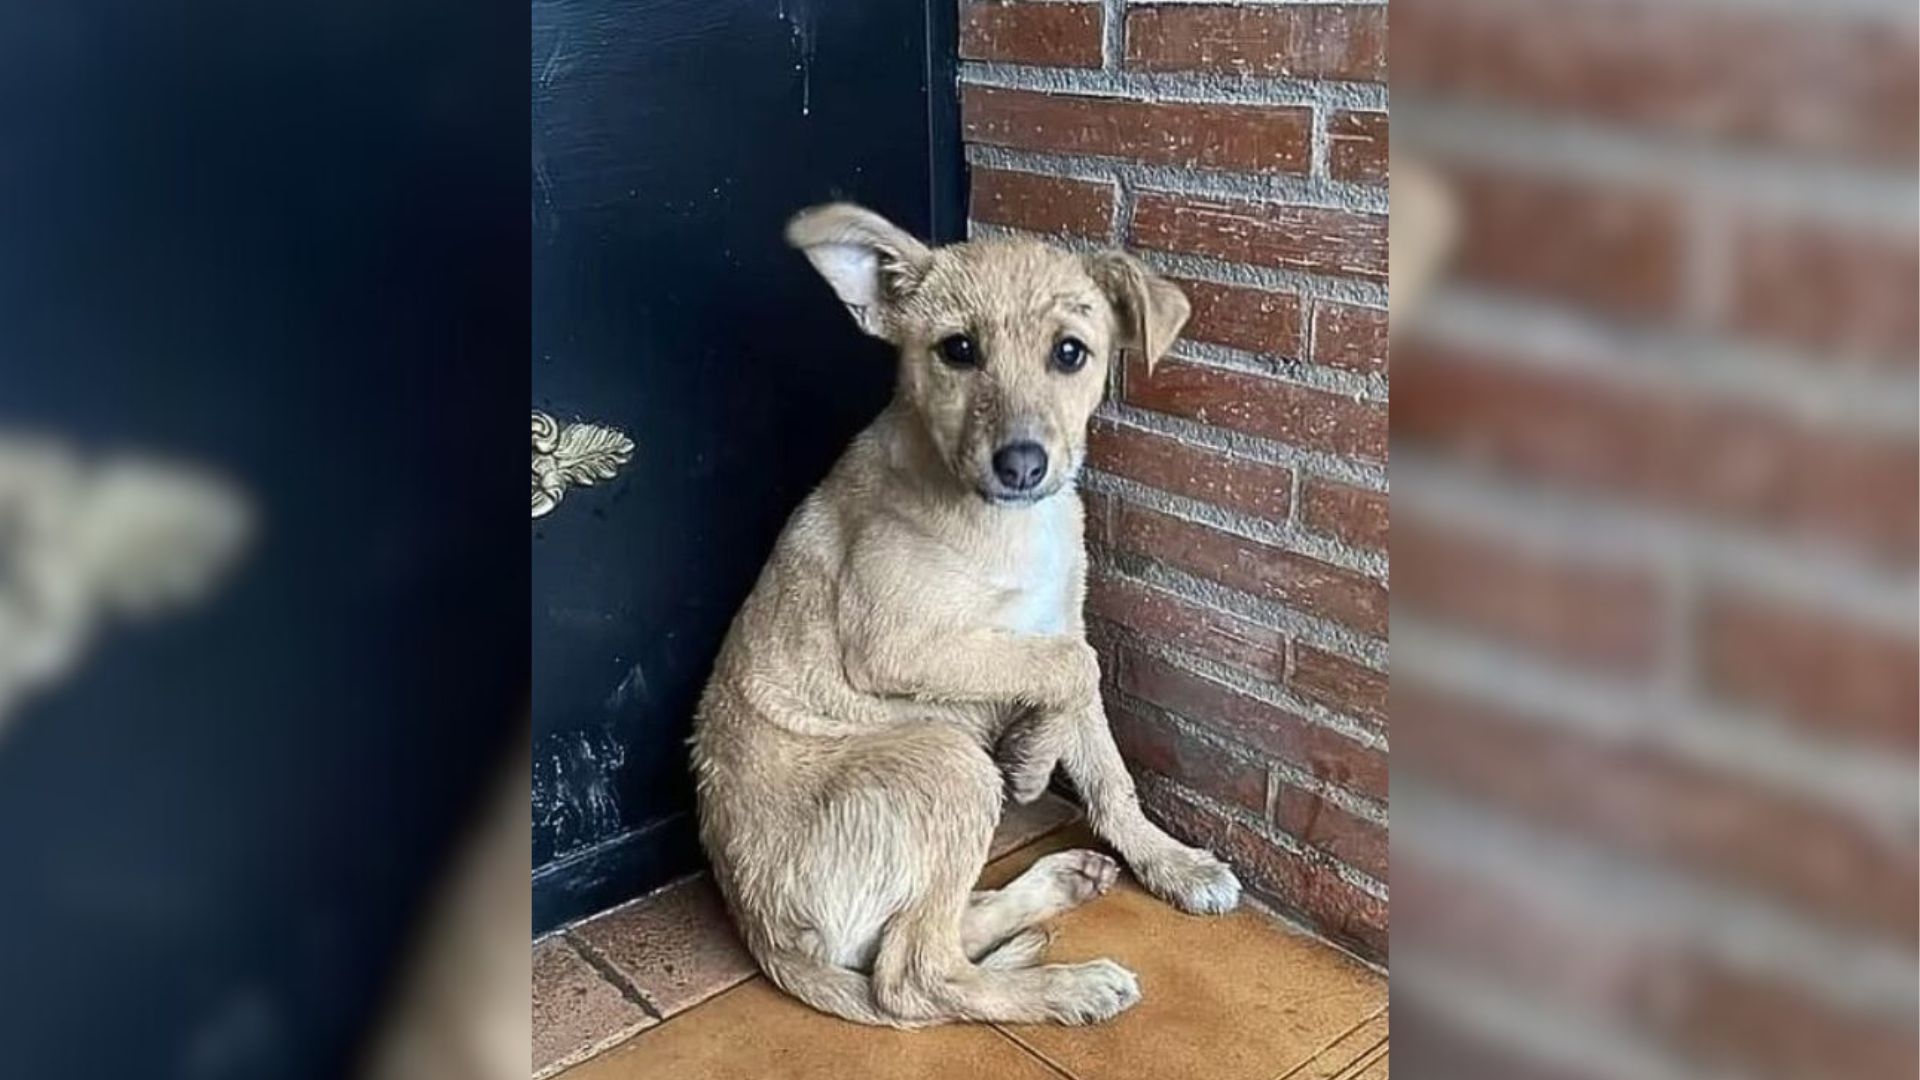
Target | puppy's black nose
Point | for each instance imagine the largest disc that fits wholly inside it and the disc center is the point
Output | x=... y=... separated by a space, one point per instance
x=1020 y=465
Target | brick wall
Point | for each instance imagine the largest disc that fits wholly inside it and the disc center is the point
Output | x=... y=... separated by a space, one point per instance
x=1237 y=498
x=1655 y=509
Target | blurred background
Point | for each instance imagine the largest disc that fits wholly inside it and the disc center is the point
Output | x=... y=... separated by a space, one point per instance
x=263 y=571
x=1654 y=481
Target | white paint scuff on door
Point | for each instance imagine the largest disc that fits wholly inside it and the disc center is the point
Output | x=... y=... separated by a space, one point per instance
x=798 y=15
x=574 y=797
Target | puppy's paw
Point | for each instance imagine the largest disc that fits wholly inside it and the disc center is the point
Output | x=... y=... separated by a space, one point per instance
x=1076 y=876
x=1094 y=991
x=1192 y=880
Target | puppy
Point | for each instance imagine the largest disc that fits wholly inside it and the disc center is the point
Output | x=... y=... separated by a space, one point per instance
x=921 y=609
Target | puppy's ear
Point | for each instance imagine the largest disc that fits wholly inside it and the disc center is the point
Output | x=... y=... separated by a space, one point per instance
x=870 y=262
x=1149 y=311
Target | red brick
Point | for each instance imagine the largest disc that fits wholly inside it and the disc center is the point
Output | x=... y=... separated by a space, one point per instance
x=1272 y=573
x=1256 y=320
x=1639 y=978
x=1600 y=616
x=1853 y=490
x=1251 y=647
x=1152 y=743
x=1336 y=908
x=1306 y=41
x=1447 y=1048
x=1317 y=894
x=1615 y=249
x=1325 y=754
x=1314 y=821
x=1269 y=408
x=1730 y=1016
x=1308 y=238
x=1635 y=798
x=1339 y=683
x=1862 y=491
x=1043 y=204
x=1197 y=472
x=1350 y=338
x=1181 y=816
x=1053 y=34
x=1848 y=293
x=1254 y=138
x=1602 y=969
x=1813 y=81
x=1357 y=146
x=1835 y=677
x=1352 y=515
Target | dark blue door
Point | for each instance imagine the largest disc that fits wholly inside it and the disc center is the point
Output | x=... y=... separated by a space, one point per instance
x=671 y=140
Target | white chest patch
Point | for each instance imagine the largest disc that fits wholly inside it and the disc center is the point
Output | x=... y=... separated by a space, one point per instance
x=1039 y=578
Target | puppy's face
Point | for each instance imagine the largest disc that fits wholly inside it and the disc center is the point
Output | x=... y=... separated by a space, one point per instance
x=1004 y=345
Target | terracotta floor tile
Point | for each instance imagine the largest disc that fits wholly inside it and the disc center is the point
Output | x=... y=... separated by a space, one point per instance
x=576 y=1013
x=1375 y=1068
x=1237 y=998
x=677 y=946
x=754 y=1032
x=1021 y=825
x=1357 y=1053
x=1231 y=998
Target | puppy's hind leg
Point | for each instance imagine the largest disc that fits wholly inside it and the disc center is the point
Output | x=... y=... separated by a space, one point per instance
x=1053 y=885
x=922 y=973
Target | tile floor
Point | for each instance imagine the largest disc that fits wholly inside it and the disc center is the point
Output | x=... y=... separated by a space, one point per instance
x=660 y=988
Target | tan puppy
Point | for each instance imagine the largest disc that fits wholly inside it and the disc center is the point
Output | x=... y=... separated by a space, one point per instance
x=922 y=609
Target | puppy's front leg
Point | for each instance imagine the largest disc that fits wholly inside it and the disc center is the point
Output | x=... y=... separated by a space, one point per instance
x=1190 y=878
x=1054 y=673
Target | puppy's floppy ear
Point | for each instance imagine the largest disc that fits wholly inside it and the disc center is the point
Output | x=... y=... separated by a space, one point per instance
x=1149 y=311
x=870 y=262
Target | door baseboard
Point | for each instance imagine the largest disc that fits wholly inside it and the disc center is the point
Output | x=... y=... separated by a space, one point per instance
x=614 y=871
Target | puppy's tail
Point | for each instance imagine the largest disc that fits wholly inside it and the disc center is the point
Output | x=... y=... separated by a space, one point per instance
x=834 y=990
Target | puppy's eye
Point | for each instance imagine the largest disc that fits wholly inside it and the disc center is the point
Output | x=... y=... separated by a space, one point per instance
x=1069 y=354
x=958 y=351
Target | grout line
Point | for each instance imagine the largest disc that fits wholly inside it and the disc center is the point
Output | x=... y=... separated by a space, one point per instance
x=1318 y=143
x=1113 y=35
x=1033 y=1052
x=1599 y=523
x=1196 y=87
x=580 y=1055
x=1509 y=332
x=1336 y=1041
x=1310 y=285
x=1282 y=367
x=613 y=976
x=1752 y=180
x=1365 y=1061
x=1280 y=188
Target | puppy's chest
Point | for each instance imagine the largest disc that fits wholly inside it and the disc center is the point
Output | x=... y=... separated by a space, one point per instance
x=1035 y=576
